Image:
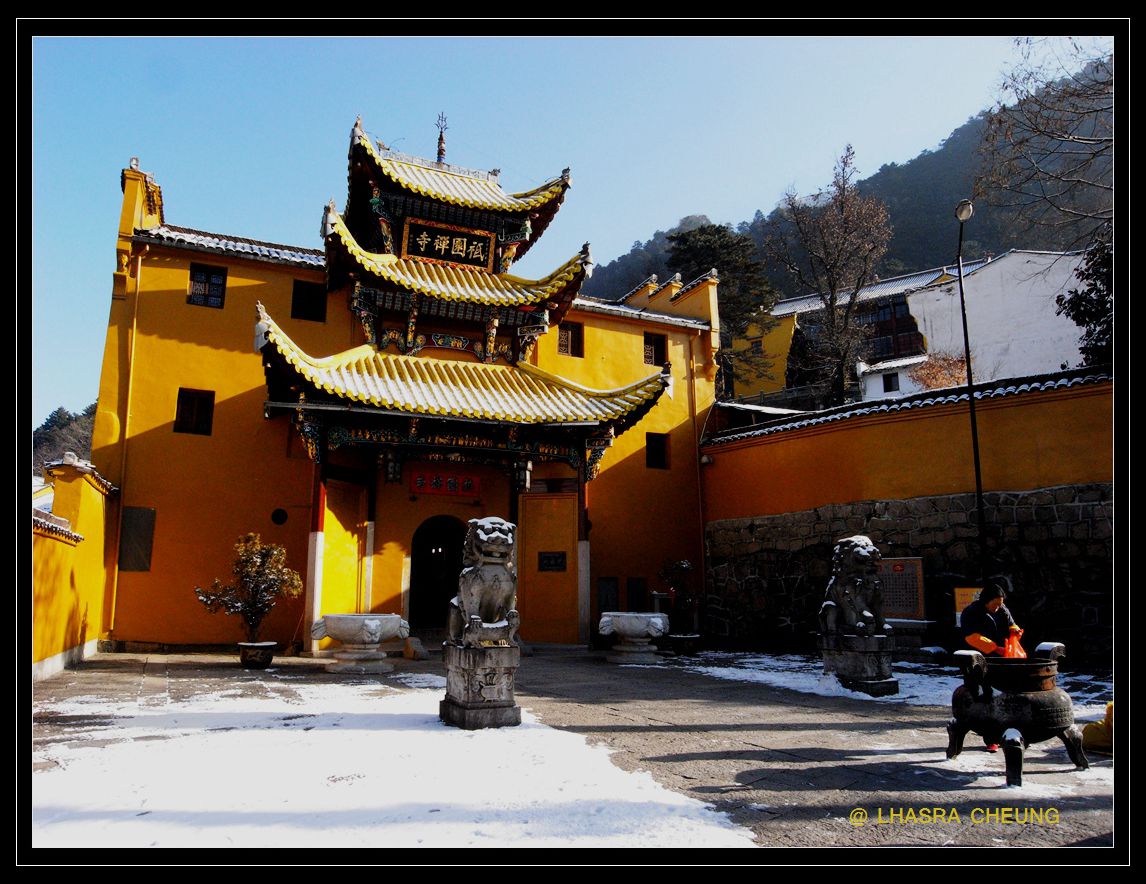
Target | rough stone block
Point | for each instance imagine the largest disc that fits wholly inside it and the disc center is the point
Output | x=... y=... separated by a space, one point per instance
x=1035 y=533
x=933 y=520
x=957 y=518
x=1024 y=514
x=479 y=687
x=1064 y=494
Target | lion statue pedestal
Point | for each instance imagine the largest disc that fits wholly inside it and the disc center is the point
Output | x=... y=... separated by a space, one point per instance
x=855 y=639
x=482 y=653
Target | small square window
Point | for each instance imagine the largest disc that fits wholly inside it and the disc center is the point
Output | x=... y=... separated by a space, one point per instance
x=208 y=286
x=571 y=339
x=657 y=451
x=194 y=411
x=756 y=346
x=308 y=301
x=891 y=382
x=656 y=349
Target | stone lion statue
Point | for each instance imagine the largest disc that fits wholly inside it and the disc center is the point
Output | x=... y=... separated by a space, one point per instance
x=853 y=602
x=484 y=612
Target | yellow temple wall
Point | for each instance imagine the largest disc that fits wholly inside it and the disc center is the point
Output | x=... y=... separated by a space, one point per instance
x=1050 y=438
x=68 y=576
x=776 y=345
x=642 y=517
x=207 y=491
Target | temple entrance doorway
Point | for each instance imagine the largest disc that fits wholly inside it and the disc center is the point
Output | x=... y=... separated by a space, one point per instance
x=435 y=562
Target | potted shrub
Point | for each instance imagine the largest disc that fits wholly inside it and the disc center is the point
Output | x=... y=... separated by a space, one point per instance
x=261 y=577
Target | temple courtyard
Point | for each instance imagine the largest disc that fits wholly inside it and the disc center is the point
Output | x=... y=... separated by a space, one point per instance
x=717 y=750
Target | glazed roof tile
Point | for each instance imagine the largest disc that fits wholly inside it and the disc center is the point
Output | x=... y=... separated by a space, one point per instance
x=456 y=185
x=201 y=240
x=950 y=396
x=454 y=283
x=421 y=385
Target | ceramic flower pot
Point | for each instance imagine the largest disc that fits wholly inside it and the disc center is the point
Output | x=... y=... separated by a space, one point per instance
x=257 y=655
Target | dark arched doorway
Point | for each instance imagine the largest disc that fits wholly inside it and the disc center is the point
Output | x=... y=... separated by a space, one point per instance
x=435 y=562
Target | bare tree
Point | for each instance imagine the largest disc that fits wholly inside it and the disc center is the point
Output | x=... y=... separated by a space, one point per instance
x=831 y=243
x=1048 y=145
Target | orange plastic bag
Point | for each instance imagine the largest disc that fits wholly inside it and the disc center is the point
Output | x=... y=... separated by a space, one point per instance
x=1012 y=648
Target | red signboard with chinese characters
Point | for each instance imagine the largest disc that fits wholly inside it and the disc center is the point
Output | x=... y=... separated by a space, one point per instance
x=451 y=482
x=446 y=244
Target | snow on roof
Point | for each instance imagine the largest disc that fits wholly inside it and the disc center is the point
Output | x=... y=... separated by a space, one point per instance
x=891 y=364
x=885 y=288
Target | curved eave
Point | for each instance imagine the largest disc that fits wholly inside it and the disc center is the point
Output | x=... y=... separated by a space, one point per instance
x=459 y=189
x=451 y=283
x=424 y=386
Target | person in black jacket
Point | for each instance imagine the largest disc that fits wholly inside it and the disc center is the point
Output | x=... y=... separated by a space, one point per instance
x=986 y=622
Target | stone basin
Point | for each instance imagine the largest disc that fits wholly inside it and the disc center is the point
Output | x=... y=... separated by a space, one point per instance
x=360 y=636
x=634 y=631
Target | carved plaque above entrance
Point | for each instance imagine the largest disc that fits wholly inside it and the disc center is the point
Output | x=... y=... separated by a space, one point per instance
x=447 y=244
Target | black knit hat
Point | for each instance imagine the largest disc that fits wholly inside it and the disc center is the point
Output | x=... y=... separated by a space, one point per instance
x=993 y=590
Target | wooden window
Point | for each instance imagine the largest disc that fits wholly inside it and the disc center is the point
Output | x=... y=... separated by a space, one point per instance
x=657 y=451
x=194 y=411
x=208 y=286
x=135 y=538
x=308 y=301
x=571 y=339
x=656 y=349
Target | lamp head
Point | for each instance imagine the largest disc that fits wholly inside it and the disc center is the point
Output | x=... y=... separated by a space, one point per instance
x=964 y=211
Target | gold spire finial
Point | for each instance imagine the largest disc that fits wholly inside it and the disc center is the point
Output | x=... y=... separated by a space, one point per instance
x=442 y=127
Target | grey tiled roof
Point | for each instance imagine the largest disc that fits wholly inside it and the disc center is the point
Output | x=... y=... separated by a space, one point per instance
x=885 y=288
x=256 y=250
x=949 y=396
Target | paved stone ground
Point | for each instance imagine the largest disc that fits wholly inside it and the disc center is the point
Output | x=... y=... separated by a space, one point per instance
x=798 y=769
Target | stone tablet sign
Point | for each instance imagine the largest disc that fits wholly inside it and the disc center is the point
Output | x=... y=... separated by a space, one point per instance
x=902 y=581
x=551 y=561
x=447 y=244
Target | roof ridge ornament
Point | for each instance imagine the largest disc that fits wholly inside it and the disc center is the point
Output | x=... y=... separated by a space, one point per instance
x=327 y=221
x=587 y=260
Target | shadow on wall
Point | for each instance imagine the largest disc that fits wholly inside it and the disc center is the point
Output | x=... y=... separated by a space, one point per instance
x=766 y=576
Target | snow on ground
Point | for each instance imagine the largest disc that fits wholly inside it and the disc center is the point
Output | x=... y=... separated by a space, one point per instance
x=347 y=764
x=920 y=684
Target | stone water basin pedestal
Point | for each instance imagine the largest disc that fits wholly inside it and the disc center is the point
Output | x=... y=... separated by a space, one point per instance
x=634 y=632
x=360 y=636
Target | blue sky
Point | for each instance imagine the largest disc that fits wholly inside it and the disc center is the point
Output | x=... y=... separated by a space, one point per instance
x=249 y=137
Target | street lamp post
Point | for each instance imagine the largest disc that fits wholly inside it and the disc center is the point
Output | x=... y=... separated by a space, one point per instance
x=963 y=212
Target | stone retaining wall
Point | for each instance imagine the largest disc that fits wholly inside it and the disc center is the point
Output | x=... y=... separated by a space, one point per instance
x=766 y=575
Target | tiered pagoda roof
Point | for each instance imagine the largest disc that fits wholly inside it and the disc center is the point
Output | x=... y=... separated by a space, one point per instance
x=515 y=394
x=457 y=185
x=458 y=283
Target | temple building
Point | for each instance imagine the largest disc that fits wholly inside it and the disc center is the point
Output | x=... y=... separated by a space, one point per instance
x=403 y=379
